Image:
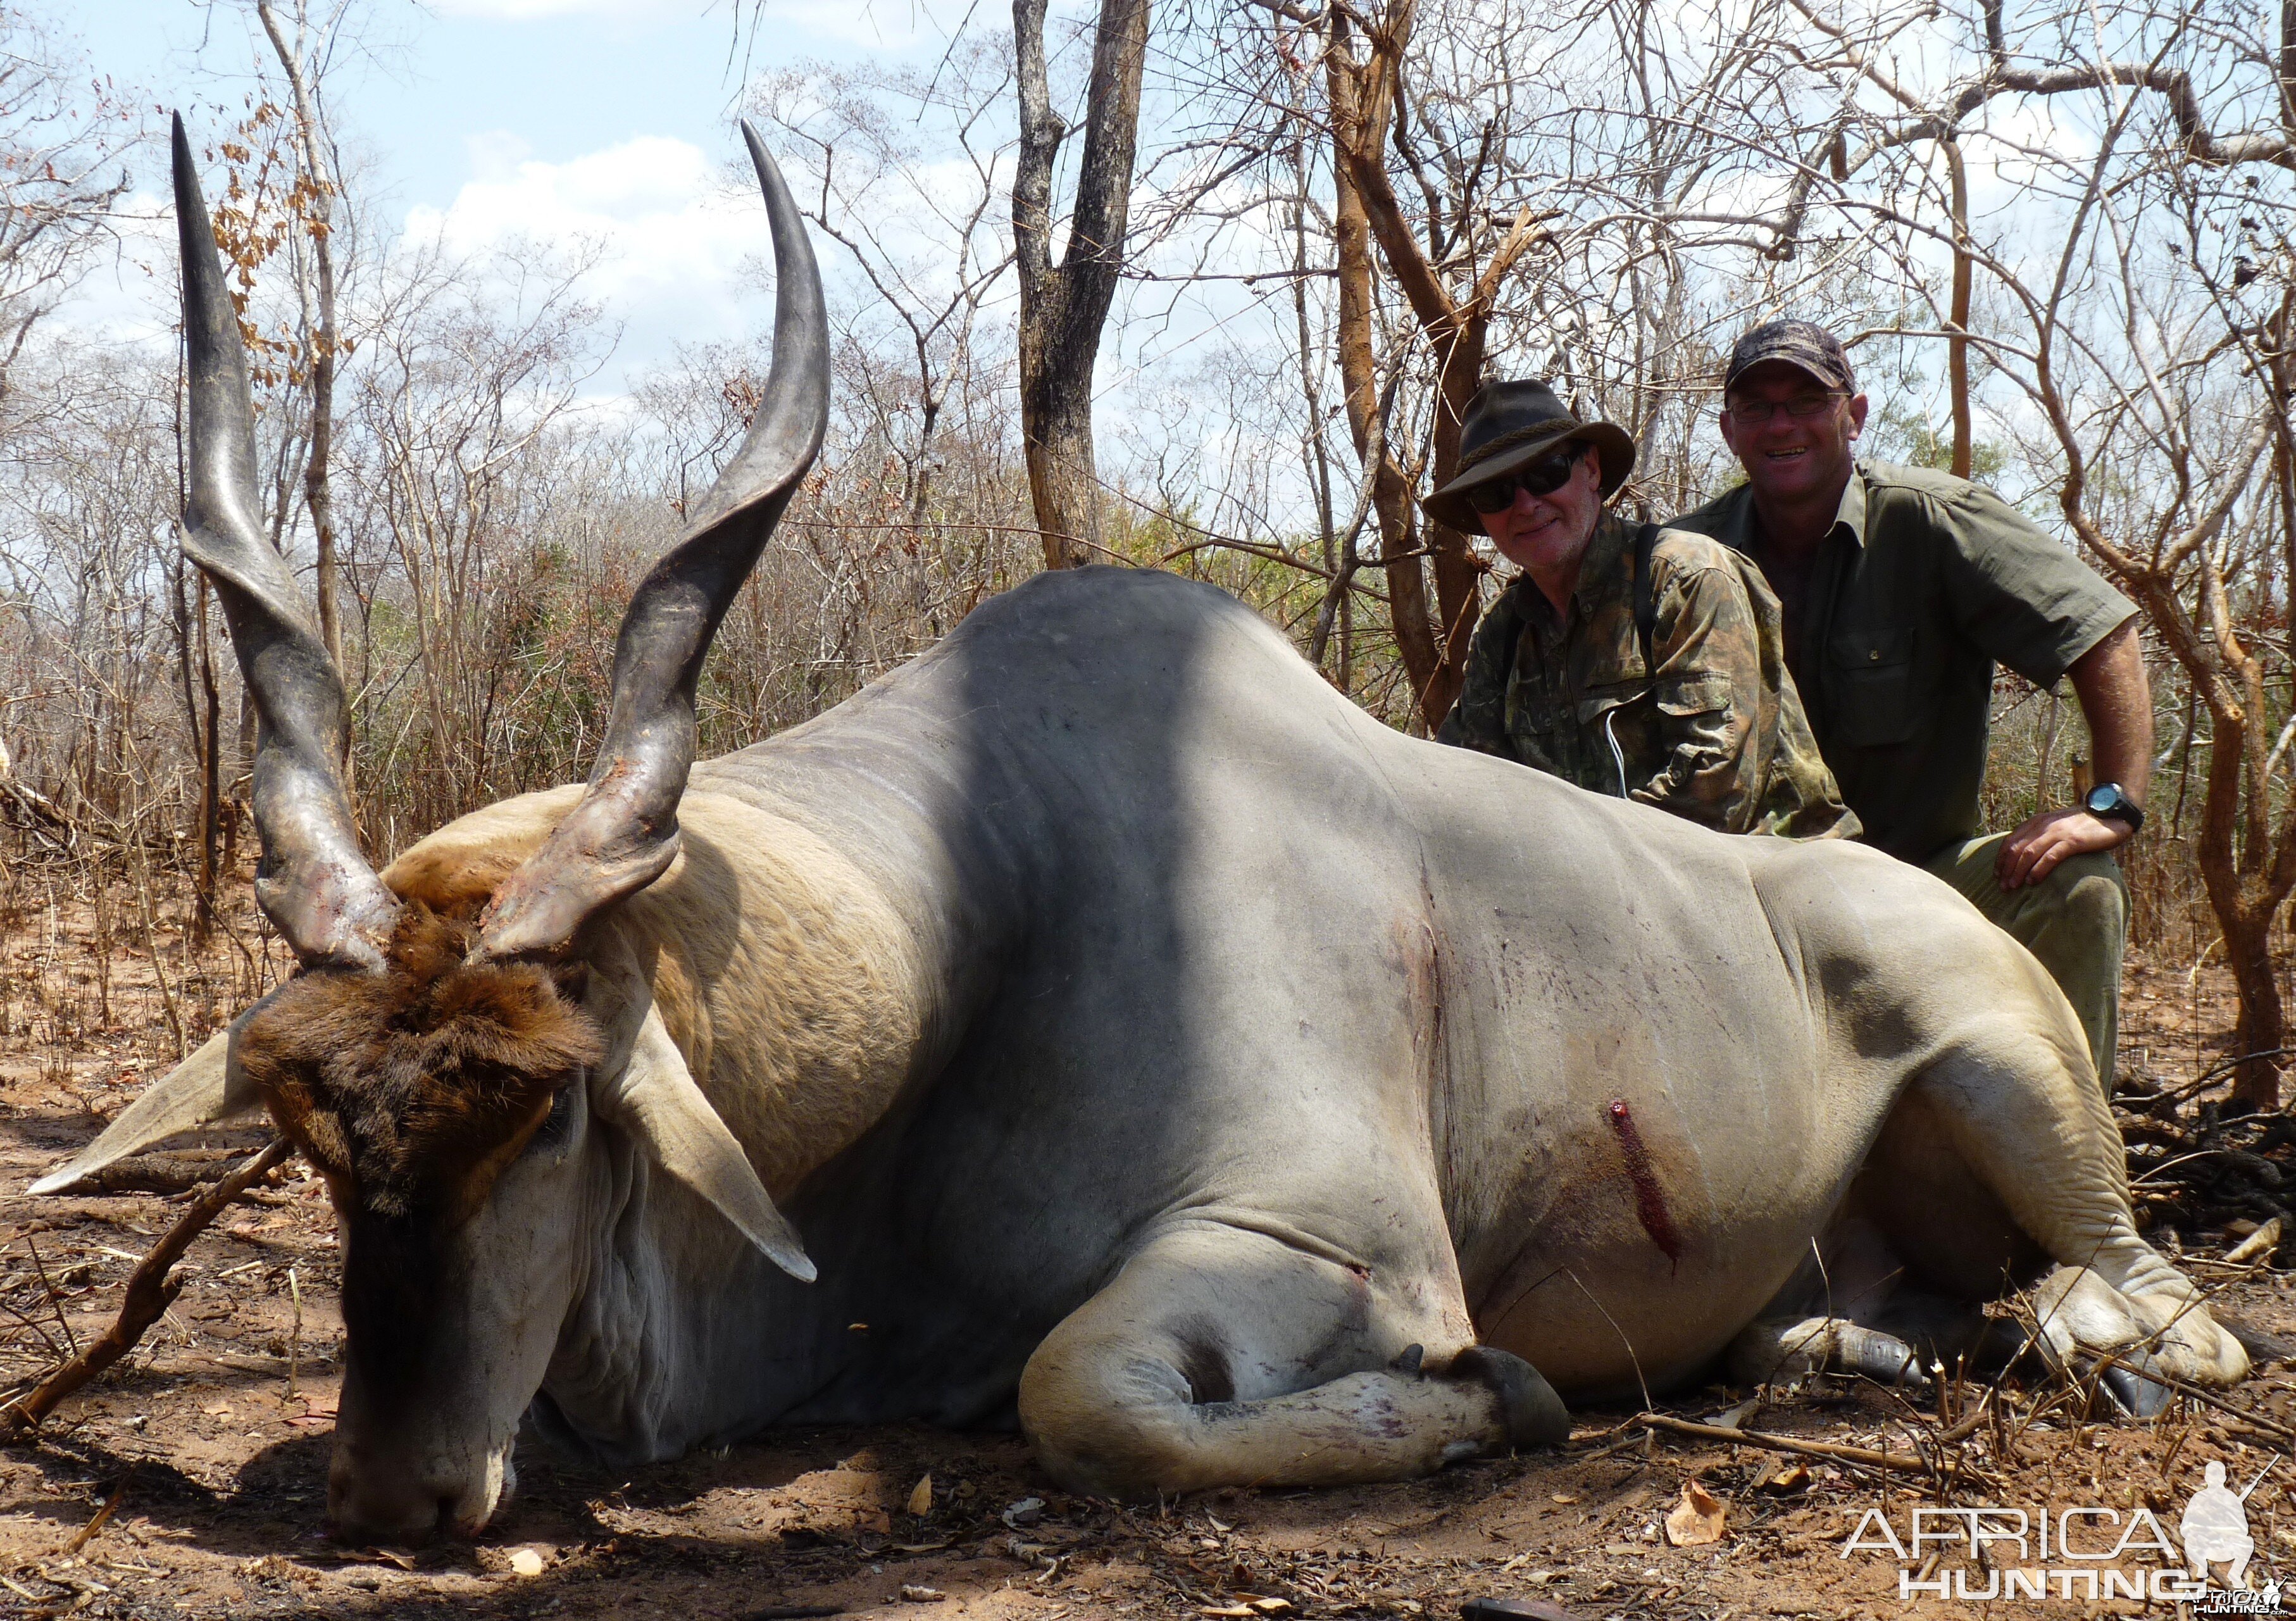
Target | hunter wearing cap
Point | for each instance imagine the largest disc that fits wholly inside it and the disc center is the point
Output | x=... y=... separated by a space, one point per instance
x=1642 y=663
x=1903 y=587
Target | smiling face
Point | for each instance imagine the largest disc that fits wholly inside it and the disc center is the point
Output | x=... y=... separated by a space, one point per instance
x=1546 y=535
x=1791 y=461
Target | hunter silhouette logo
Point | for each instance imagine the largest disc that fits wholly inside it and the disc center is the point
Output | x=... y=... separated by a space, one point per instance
x=2086 y=1553
x=2215 y=1531
x=2215 y=1528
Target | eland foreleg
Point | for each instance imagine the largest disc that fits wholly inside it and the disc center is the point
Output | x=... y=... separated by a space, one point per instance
x=1219 y=1356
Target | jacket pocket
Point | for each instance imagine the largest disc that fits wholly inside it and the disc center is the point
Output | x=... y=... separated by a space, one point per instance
x=1875 y=702
x=1599 y=701
x=1697 y=694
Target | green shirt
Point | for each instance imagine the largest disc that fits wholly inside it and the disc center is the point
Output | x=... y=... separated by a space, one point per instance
x=1923 y=584
x=1710 y=730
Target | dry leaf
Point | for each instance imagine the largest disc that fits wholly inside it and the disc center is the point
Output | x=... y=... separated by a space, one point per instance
x=1565 y=1498
x=1786 y=1475
x=921 y=1499
x=921 y=1595
x=2262 y=1241
x=1696 y=1520
x=525 y=1562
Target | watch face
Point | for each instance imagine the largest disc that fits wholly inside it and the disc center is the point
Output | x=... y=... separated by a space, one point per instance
x=2102 y=799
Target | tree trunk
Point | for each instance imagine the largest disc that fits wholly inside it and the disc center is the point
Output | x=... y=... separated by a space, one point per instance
x=1064 y=306
x=1956 y=359
x=1407 y=582
x=2260 y=1030
x=321 y=335
x=2242 y=894
x=1454 y=320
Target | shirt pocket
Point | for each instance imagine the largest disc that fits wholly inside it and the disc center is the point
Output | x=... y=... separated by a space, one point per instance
x=1596 y=702
x=1875 y=703
x=1695 y=694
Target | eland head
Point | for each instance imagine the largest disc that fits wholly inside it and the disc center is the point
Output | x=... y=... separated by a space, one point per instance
x=450 y=1060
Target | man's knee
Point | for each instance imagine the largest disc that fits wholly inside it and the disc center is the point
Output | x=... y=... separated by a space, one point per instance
x=2087 y=891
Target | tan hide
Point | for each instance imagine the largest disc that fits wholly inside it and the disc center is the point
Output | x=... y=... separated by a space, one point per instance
x=656 y=1100
x=206 y=1088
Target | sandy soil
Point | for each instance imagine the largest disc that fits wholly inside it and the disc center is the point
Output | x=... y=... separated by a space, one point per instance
x=211 y=1443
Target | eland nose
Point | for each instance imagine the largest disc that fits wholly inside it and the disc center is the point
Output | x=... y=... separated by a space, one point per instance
x=377 y=1501
x=360 y=1514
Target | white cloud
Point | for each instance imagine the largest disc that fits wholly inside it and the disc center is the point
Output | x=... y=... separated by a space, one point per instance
x=671 y=241
x=872 y=23
x=127 y=296
x=544 y=10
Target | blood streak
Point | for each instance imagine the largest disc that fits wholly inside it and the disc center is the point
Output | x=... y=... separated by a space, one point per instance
x=1650 y=1203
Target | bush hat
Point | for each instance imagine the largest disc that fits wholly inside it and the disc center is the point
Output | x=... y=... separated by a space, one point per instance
x=1509 y=425
x=1799 y=343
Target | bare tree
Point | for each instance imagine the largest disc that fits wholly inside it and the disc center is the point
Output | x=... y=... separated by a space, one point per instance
x=2145 y=341
x=913 y=221
x=462 y=400
x=302 y=47
x=62 y=142
x=1064 y=304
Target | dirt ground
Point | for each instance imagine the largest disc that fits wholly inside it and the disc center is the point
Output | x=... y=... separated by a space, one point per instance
x=209 y=1446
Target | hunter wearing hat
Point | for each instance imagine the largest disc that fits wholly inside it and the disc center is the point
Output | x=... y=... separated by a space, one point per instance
x=1903 y=587
x=1642 y=663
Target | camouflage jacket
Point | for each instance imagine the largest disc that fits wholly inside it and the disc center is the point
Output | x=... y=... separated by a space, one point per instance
x=1716 y=733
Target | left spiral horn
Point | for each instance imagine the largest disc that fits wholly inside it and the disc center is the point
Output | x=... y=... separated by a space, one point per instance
x=313 y=881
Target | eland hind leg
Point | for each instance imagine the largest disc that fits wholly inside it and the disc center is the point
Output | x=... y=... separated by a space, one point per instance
x=2007 y=1138
x=1852 y=1308
x=1219 y=1356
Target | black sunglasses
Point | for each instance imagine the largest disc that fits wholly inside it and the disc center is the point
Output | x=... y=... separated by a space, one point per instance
x=1544 y=476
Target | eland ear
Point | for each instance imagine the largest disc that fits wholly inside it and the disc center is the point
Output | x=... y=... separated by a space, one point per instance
x=205 y=1089
x=657 y=1101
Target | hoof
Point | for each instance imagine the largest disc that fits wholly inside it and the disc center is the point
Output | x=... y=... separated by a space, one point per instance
x=1883 y=1358
x=1535 y=1415
x=2135 y=1395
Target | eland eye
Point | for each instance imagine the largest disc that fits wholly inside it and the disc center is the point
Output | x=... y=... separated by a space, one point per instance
x=552 y=1132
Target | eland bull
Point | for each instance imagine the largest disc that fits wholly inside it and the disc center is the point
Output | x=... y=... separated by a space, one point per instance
x=1103 y=1023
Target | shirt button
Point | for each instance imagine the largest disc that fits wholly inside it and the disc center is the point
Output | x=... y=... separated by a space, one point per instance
x=1874 y=654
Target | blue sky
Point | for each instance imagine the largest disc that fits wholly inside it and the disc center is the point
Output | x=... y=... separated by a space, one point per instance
x=609 y=120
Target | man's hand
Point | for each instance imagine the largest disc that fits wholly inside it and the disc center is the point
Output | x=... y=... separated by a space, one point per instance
x=2033 y=851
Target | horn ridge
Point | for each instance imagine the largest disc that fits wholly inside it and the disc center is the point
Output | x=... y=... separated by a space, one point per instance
x=623 y=834
x=313 y=882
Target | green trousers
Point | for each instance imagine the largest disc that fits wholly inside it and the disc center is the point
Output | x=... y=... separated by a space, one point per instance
x=2073 y=921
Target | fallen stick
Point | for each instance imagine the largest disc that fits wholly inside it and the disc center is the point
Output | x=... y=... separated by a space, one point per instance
x=1903 y=1463
x=89 y=1532
x=149 y=1293
x=2262 y=1424
x=151 y=1173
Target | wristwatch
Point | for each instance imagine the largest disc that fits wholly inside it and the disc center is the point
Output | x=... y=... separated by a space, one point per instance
x=2108 y=803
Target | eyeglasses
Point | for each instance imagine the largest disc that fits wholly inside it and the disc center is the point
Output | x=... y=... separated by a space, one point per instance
x=1801 y=408
x=1542 y=477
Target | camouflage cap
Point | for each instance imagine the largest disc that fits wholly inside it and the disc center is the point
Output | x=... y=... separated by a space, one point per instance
x=1802 y=344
